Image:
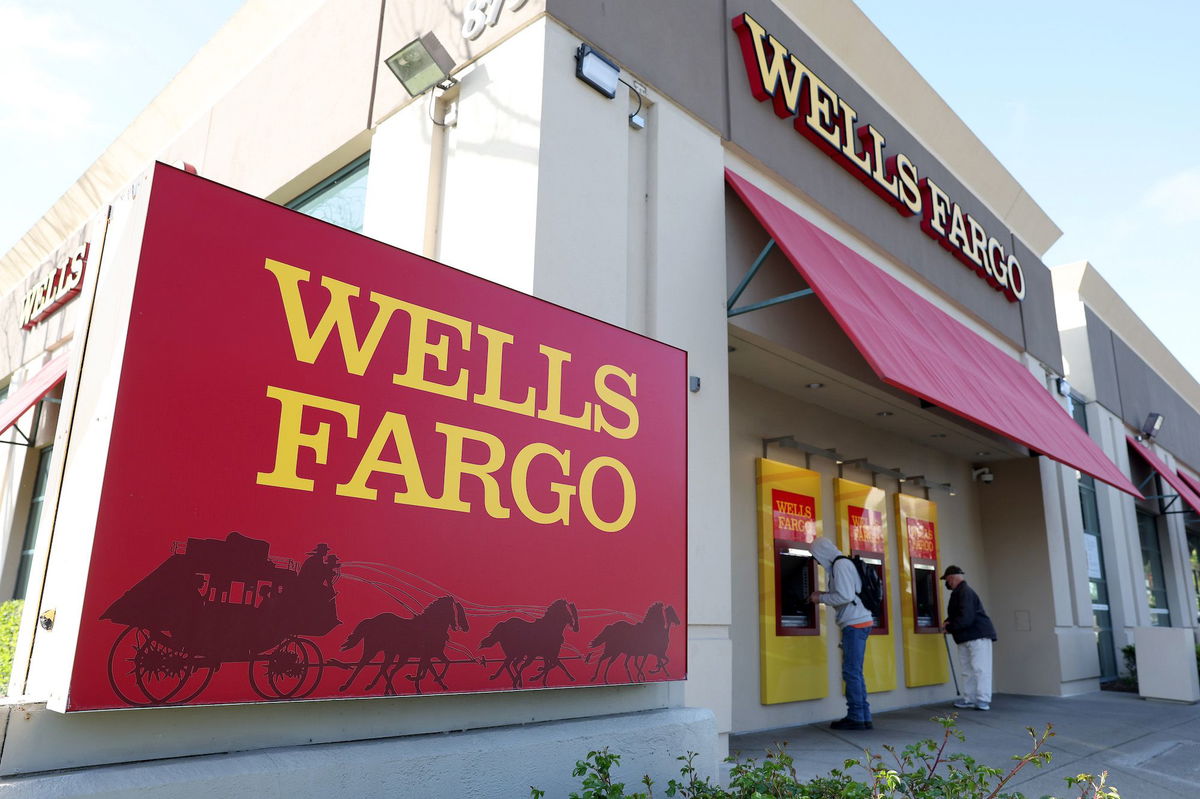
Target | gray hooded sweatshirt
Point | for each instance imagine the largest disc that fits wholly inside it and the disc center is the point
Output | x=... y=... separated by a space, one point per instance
x=843 y=584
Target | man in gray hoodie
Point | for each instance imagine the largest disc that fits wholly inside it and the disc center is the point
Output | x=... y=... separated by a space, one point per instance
x=855 y=622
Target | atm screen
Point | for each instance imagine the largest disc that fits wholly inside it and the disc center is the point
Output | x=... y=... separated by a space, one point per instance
x=925 y=596
x=795 y=584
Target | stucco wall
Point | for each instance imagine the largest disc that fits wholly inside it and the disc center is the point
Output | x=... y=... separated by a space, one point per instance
x=503 y=762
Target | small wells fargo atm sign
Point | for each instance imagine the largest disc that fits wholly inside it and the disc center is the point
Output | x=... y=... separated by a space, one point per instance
x=793 y=516
x=338 y=469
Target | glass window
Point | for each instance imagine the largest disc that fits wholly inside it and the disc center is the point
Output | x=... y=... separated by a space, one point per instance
x=339 y=199
x=1193 y=539
x=1097 y=577
x=1152 y=566
x=31 y=523
x=1078 y=410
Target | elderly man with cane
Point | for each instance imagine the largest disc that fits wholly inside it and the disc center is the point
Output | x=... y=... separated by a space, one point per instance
x=973 y=631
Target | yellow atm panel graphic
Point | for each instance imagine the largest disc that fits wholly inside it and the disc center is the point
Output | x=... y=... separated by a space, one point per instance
x=794 y=665
x=920 y=605
x=862 y=531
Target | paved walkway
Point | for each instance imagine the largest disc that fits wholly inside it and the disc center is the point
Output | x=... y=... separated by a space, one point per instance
x=1151 y=750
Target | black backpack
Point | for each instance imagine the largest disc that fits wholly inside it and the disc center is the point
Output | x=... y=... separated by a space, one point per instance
x=870 y=595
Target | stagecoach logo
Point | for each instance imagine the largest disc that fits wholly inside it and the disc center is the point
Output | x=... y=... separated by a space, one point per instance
x=221 y=601
x=825 y=118
x=56 y=289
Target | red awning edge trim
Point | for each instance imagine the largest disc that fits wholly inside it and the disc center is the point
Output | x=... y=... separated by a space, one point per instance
x=1177 y=481
x=33 y=390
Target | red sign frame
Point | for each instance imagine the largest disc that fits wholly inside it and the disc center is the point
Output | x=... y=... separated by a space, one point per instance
x=338 y=469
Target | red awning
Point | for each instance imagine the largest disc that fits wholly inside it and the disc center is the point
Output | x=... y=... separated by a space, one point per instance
x=915 y=346
x=32 y=390
x=1191 y=482
x=1176 y=481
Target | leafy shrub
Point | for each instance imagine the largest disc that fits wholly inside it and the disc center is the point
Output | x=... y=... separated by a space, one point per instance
x=1130 y=654
x=10 y=623
x=922 y=770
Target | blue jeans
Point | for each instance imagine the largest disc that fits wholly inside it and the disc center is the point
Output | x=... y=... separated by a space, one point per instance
x=854 y=649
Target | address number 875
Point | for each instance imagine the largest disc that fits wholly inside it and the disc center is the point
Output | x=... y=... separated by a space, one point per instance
x=480 y=14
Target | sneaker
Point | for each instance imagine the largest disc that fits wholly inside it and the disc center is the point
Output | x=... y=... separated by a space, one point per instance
x=983 y=706
x=851 y=724
x=963 y=703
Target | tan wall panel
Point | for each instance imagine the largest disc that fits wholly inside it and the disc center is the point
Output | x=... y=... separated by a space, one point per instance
x=1021 y=601
x=305 y=100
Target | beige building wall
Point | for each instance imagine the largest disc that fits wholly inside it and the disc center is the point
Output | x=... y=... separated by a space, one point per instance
x=508 y=208
x=1080 y=288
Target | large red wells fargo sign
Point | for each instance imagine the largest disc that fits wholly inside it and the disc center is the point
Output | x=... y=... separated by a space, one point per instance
x=338 y=469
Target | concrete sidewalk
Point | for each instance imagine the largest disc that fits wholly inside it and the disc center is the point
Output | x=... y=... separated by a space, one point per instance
x=1151 y=750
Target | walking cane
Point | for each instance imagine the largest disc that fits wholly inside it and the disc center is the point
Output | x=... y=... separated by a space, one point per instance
x=950 y=660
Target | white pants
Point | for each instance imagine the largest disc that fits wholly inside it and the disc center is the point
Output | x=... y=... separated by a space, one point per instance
x=975 y=657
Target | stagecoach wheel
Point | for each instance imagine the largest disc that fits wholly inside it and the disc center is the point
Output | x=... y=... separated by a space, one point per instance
x=122 y=665
x=281 y=672
x=144 y=668
x=316 y=668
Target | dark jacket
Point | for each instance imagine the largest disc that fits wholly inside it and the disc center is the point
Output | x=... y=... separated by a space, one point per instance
x=966 y=619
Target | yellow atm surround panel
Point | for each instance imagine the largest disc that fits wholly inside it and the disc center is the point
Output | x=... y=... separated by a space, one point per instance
x=862 y=531
x=794 y=664
x=920 y=604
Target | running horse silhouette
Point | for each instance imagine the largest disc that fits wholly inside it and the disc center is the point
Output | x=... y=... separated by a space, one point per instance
x=636 y=642
x=525 y=641
x=422 y=638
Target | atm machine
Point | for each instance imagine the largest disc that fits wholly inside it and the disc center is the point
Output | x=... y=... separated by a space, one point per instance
x=924 y=650
x=793 y=659
x=862 y=531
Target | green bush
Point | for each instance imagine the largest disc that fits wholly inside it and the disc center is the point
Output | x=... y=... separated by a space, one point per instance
x=10 y=623
x=1129 y=680
x=923 y=770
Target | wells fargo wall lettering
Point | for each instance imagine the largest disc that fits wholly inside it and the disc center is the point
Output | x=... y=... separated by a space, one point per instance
x=432 y=337
x=55 y=289
x=370 y=474
x=824 y=117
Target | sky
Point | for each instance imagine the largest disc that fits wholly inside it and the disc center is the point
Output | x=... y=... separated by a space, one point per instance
x=1092 y=106
x=73 y=75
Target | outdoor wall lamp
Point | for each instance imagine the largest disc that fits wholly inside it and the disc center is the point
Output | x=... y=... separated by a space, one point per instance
x=1152 y=425
x=421 y=65
x=598 y=71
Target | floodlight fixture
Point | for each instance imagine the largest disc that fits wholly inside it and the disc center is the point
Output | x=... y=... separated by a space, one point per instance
x=596 y=70
x=1152 y=425
x=421 y=65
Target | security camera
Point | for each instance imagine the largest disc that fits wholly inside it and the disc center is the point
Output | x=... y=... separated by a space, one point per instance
x=982 y=475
